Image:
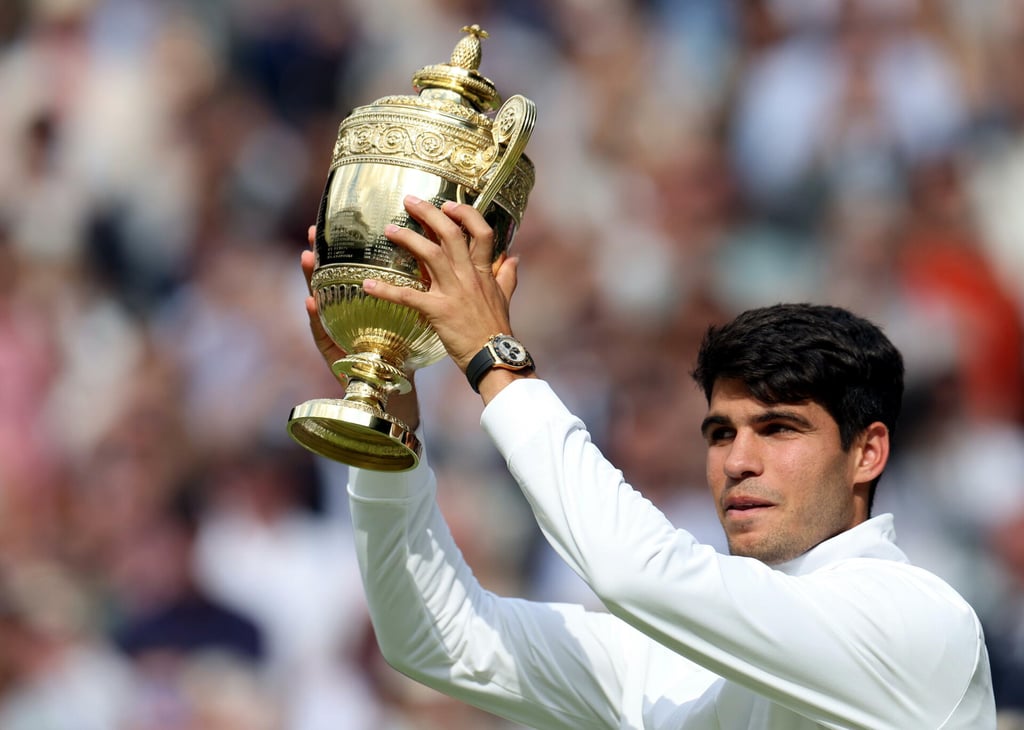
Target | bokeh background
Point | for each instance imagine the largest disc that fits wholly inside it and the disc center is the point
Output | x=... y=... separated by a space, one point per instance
x=170 y=560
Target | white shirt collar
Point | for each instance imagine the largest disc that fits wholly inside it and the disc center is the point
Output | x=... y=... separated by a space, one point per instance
x=875 y=538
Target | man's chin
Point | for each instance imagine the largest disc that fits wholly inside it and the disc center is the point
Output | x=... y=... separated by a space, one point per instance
x=765 y=550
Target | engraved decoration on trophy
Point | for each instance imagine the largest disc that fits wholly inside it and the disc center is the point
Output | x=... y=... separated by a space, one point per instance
x=451 y=141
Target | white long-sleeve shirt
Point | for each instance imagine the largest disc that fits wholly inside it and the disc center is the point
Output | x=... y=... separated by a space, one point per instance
x=848 y=635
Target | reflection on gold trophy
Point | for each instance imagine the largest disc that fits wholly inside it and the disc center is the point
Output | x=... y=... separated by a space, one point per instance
x=446 y=143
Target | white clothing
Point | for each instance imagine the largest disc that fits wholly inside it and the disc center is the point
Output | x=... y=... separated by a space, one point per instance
x=849 y=635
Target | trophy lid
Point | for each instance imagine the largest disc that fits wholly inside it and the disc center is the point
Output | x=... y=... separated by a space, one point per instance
x=460 y=74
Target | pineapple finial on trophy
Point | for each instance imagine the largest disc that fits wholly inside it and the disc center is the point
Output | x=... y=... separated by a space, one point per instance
x=460 y=75
x=467 y=53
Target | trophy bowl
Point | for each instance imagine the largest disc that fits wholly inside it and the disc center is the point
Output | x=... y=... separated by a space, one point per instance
x=454 y=140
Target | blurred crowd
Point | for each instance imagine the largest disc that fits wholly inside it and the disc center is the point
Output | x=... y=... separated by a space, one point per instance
x=170 y=560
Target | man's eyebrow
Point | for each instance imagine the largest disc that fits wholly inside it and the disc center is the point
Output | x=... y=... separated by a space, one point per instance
x=773 y=414
x=710 y=421
x=782 y=414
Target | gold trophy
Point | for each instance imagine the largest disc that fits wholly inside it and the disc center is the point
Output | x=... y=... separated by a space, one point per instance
x=446 y=143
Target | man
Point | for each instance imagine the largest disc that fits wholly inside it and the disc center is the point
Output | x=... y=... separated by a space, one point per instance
x=816 y=619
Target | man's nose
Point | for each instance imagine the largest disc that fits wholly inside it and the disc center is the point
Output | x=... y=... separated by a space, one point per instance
x=744 y=457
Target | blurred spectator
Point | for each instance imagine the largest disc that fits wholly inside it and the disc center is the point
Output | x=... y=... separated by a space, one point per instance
x=264 y=549
x=170 y=615
x=1006 y=626
x=28 y=478
x=105 y=178
x=56 y=671
x=196 y=662
x=945 y=269
x=854 y=87
x=996 y=173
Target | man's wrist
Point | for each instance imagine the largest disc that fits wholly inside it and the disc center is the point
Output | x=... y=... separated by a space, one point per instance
x=496 y=380
x=500 y=352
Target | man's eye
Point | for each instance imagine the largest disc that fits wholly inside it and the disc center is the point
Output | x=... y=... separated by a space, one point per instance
x=773 y=428
x=717 y=435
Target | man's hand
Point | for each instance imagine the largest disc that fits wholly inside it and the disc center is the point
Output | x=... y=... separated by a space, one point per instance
x=403 y=407
x=327 y=347
x=468 y=299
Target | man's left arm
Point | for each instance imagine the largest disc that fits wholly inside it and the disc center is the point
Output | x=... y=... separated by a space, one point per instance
x=876 y=644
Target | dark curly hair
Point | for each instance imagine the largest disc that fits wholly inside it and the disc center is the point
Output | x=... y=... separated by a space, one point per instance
x=797 y=353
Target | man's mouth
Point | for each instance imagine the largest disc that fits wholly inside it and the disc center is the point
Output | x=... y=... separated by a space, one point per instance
x=745 y=506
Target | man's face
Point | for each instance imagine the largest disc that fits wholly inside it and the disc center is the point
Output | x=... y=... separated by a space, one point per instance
x=779 y=477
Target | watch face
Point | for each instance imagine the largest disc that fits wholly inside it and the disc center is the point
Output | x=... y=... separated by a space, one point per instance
x=511 y=351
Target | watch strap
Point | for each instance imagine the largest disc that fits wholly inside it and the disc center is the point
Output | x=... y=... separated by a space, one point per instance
x=479 y=365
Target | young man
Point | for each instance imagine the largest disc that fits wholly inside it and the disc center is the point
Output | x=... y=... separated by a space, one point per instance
x=816 y=619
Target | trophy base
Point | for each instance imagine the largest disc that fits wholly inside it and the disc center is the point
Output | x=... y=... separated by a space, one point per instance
x=355 y=434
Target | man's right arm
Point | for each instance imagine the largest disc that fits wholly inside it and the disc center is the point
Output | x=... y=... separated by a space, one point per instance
x=544 y=665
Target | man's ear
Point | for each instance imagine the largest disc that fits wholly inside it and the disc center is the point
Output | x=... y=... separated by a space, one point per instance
x=872 y=452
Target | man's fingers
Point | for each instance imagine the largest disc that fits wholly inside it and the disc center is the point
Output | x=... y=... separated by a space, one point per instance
x=480 y=233
x=404 y=295
x=311 y=236
x=324 y=343
x=308 y=261
x=428 y=253
x=450 y=235
x=507 y=276
x=431 y=217
x=320 y=336
x=315 y=325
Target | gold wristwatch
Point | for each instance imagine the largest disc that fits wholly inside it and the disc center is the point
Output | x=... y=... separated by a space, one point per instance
x=500 y=351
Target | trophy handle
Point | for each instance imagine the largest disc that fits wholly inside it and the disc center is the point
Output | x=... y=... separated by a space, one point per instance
x=512 y=128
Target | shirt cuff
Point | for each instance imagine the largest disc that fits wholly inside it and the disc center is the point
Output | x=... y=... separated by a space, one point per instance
x=515 y=413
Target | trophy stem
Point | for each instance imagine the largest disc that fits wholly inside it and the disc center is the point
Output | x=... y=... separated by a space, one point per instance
x=363 y=392
x=373 y=371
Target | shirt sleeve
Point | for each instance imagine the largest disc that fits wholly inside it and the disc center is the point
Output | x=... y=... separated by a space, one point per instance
x=865 y=643
x=543 y=665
